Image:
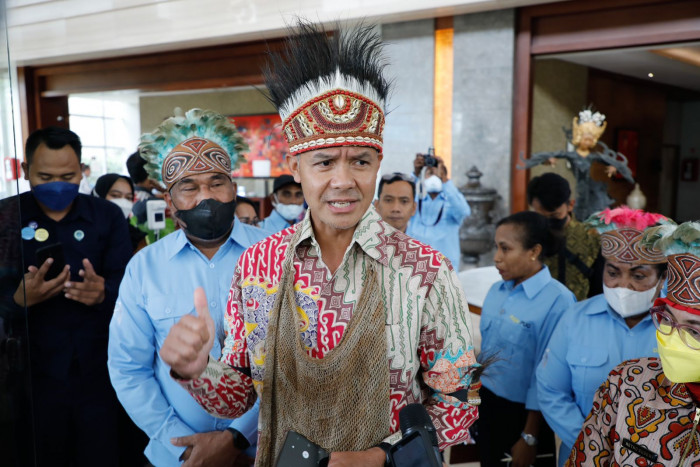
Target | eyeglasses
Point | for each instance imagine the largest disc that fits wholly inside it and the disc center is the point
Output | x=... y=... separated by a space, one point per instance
x=396 y=176
x=247 y=220
x=664 y=322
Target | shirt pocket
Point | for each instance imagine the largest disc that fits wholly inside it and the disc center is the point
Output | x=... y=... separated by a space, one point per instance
x=165 y=311
x=517 y=342
x=589 y=368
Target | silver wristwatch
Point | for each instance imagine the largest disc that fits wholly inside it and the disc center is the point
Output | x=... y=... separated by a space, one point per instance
x=530 y=440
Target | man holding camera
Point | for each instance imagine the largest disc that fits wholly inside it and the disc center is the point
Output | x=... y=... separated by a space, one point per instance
x=76 y=248
x=441 y=208
x=160 y=280
x=340 y=321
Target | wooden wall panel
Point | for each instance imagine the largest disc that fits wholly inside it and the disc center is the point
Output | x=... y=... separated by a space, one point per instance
x=575 y=26
x=44 y=90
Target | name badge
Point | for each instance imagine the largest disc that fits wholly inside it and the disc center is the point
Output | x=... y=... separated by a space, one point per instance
x=639 y=450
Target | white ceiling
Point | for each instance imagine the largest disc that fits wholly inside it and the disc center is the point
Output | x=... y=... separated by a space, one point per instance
x=638 y=63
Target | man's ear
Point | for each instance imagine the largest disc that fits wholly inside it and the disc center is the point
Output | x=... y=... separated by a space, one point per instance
x=572 y=202
x=293 y=164
x=169 y=202
x=413 y=211
x=25 y=170
x=235 y=189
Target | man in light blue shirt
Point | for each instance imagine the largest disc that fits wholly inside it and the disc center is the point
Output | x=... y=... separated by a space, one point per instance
x=440 y=213
x=157 y=291
x=589 y=341
x=288 y=203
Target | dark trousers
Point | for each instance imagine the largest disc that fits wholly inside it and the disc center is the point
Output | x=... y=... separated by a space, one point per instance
x=500 y=424
x=76 y=420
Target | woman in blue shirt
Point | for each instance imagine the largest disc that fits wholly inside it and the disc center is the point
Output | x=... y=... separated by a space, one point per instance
x=517 y=319
x=599 y=333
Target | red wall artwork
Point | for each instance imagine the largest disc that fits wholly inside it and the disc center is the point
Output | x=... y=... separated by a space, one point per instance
x=263 y=133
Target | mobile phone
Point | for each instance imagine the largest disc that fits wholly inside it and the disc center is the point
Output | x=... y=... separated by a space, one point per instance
x=54 y=251
x=298 y=451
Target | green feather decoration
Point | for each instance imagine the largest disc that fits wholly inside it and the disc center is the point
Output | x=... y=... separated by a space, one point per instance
x=207 y=124
x=674 y=239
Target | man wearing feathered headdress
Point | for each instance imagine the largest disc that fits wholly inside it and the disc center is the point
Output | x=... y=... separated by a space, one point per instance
x=340 y=321
x=193 y=155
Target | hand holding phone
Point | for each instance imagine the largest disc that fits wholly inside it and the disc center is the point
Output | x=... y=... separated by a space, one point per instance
x=91 y=291
x=36 y=288
x=54 y=251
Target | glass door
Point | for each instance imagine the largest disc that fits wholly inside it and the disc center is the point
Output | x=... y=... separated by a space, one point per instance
x=16 y=430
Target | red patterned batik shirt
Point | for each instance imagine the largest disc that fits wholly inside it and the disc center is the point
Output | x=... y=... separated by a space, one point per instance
x=429 y=342
x=640 y=419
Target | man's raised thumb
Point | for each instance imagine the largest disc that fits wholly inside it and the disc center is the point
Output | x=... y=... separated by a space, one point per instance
x=200 y=303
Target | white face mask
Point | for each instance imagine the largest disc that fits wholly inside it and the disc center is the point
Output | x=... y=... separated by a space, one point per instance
x=124 y=204
x=626 y=302
x=290 y=212
x=433 y=184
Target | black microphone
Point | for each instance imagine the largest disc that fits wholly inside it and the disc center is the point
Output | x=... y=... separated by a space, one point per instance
x=419 y=445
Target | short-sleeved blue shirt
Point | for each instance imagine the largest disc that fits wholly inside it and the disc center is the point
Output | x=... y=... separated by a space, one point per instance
x=589 y=341
x=516 y=323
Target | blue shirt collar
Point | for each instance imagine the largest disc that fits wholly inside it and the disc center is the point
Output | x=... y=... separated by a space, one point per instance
x=239 y=234
x=532 y=285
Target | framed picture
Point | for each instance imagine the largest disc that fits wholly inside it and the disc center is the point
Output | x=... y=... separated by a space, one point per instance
x=263 y=133
x=628 y=144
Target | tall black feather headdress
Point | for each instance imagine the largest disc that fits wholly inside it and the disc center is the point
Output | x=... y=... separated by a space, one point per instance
x=329 y=87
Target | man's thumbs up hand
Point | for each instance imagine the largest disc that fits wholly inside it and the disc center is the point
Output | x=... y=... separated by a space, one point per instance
x=187 y=347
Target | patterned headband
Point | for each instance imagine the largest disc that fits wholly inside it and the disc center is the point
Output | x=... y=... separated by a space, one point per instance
x=681 y=245
x=198 y=141
x=624 y=245
x=194 y=156
x=338 y=117
x=684 y=280
x=329 y=87
x=620 y=232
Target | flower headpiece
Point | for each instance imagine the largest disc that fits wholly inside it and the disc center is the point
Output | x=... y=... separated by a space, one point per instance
x=681 y=245
x=588 y=121
x=620 y=232
x=200 y=141
x=587 y=115
x=329 y=89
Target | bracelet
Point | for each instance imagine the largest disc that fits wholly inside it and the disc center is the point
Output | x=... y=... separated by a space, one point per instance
x=386 y=448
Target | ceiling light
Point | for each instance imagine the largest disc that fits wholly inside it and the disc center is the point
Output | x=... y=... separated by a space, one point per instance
x=650 y=75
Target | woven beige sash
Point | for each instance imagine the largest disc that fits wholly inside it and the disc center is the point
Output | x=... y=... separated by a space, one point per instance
x=340 y=402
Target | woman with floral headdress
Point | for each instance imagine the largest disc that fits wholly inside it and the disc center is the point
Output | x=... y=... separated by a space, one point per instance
x=591 y=195
x=595 y=335
x=647 y=412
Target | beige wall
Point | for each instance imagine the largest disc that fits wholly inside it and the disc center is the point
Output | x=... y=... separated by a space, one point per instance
x=249 y=101
x=51 y=31
x=559 y=93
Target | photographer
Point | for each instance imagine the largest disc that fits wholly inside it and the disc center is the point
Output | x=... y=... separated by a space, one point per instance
x=441 y=208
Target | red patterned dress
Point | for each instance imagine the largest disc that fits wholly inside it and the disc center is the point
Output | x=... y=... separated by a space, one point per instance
x=639 y=418
x=429 y=342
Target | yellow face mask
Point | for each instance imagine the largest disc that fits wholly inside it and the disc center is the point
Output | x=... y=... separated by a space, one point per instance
x=681 y=363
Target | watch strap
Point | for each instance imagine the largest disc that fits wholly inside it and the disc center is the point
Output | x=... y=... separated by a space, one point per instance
x=386 y=448
x=239 y=441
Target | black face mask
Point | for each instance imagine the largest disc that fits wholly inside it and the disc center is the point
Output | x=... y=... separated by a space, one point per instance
x=209 y=220
x=557 y=224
